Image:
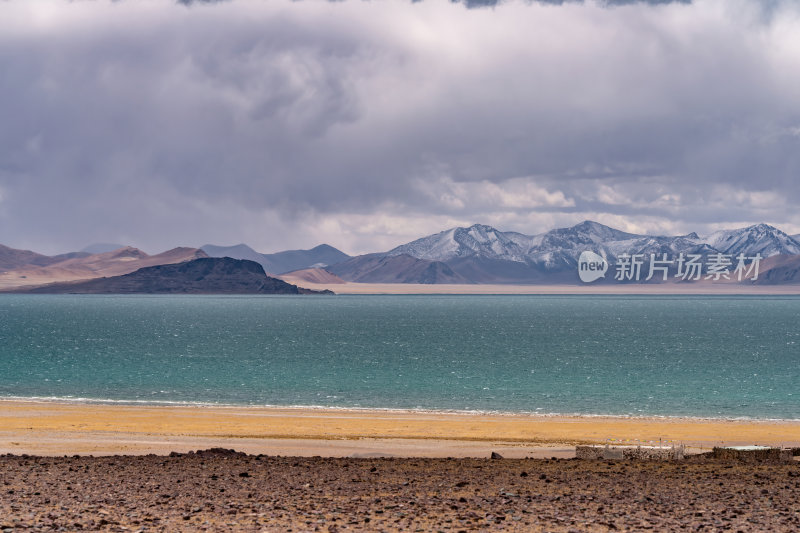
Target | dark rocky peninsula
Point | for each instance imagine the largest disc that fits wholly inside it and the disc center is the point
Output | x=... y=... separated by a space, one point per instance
x=210 y=275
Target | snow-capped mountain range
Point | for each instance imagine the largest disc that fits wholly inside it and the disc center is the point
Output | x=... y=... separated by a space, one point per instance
x=474 y=254
x=480 y=252
x=483 y=254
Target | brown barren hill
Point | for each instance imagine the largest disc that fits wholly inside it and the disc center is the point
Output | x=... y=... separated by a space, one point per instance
x=403 y=268
x=312 y=275
x=116 y=263
x=779 y=269
x=11 y=258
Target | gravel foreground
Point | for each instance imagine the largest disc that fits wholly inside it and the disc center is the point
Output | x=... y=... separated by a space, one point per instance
x=221 y=490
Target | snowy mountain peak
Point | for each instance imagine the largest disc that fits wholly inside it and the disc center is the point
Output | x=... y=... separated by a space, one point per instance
x=760 y=238
x=590 y=226
x=477 y=240
x=587 y=232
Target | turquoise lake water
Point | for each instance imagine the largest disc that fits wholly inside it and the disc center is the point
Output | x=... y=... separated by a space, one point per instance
x=705 y=356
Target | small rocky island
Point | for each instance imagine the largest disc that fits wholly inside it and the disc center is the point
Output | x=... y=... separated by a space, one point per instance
x=210 y=275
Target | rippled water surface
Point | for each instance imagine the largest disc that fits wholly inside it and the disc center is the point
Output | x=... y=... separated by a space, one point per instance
x=716 y=356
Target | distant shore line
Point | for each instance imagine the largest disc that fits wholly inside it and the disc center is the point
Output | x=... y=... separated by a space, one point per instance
x=696 y=289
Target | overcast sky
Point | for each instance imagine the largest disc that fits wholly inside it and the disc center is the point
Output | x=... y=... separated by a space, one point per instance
x=368 y=124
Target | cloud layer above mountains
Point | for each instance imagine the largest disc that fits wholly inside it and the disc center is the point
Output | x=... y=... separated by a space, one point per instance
x=368 y=124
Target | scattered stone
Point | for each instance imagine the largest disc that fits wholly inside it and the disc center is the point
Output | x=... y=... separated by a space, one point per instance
x=204 y=491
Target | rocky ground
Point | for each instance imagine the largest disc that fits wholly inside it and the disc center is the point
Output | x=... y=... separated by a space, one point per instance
x=226 y=491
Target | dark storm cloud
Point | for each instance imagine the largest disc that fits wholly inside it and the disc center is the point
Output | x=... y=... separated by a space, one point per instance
x=280 y=122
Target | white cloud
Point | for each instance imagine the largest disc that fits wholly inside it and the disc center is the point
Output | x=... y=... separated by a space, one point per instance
x=480 y=196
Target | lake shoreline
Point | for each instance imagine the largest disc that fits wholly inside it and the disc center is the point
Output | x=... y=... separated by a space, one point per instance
x=58 y=428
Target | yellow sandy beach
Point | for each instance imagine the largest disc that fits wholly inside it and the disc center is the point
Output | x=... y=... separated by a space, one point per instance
x=56 y=428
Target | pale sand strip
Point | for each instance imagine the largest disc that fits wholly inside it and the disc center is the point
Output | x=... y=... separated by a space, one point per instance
x=53 y=428
x=621 y=289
